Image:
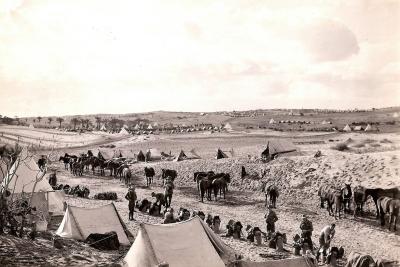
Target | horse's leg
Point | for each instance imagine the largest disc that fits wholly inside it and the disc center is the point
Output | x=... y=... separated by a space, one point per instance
x=266 y=200
x=376 y=206
x=322 y=203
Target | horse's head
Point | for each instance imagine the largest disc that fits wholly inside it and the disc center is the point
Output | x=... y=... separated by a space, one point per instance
x=227 y=178
x=61 y=158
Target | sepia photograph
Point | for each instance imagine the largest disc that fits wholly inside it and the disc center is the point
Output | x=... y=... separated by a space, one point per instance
x=198 y=133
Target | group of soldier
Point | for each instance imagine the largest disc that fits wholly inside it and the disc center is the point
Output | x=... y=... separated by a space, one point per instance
x=306 y=227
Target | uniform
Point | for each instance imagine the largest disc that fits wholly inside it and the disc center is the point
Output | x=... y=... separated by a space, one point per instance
x=270 y=219
x=131 y=197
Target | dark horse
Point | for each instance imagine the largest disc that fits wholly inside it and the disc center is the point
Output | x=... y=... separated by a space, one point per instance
x=346 y=196
x=149 y=172
x=205 y=188
x=198 y=176
x=220 y=183
x=391 y=206
x=66 y=161
x=271 y=192
x=375 y=193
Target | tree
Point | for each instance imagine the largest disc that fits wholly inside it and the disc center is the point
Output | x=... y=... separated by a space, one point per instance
x=39 y=118
x=98 y=121
x=75 y=121
x=50 y=119
x=60 y=120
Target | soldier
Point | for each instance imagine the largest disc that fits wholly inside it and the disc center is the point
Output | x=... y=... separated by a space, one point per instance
x=160 y=198
x=270 y=219
x=53 y=179
x=306 y=227
x=325 y=238
x=131 y=197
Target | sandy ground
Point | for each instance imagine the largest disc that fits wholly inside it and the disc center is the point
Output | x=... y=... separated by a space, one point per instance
x=373 y=160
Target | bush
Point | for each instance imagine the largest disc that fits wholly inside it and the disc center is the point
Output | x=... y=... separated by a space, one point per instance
x=341 y=147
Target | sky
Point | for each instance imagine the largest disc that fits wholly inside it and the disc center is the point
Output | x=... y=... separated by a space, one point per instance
x=70 y=57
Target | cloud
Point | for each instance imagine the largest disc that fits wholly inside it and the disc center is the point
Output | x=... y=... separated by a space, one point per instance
x=329 y=40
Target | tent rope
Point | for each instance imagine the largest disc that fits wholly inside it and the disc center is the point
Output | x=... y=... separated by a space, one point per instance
x=102 y=239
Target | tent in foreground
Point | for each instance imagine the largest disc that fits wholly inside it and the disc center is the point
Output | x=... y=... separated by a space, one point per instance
x=276 y=147
x=78 y=223
x=188 y=243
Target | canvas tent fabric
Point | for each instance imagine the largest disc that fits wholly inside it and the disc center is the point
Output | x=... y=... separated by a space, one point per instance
x=368 y=128
x=188 y=243
x=153 y=154
x=228 y=127
x=106 y=153
x=137 y=127
x=31 y=126
x=275 y=147
x=221 y=154
x=347 y=128
x=293 y=262
x=395 y=115
x=181 y=156
x=103 y=127
x=23 y=174
x=78 y=223
x=140 y=156
x=358 y=128
x=123 y=132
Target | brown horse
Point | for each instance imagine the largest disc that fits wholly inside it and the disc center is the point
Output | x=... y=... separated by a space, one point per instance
x=149 y=173
x=333 y=196
x=390 y=206
x=271 y=193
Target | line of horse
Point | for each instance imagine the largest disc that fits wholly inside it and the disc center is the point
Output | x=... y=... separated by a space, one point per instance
x=211 y=182
x=387 y=201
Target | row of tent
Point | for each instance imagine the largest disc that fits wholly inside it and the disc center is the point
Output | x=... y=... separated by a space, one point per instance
x=181 y=244
x=189 y=243
x=347 y=128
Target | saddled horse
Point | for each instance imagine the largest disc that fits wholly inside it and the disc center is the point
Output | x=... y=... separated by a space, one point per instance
x=358 y=199
x=333 y=197
x=172 y=174
x=112 y=166
x=391 y=206
x=77 y=168
x=66 y=161
x=271 y=192
x=98 y=163
x=149 y=173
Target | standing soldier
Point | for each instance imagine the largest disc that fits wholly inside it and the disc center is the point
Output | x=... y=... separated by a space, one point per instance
x=270 y=219
x=306 y=227
x=131 y=197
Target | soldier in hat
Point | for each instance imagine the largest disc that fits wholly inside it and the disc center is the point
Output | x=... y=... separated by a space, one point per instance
x=131 y=197
x=270 y=219
x=306 y=228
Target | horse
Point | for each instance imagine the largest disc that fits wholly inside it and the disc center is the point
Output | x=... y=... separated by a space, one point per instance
x=332 y=196
x=97 y=162
x=168 y=173
x=271 y=192
x=205 y=188
x=149 y=173
x=77 y=168
x=223 y=175
x=358 y=199
x=198 y=176
x=127 y=174
x=112 y=166
x=390 y=206
x=220 y=184
x=375 y=193
x=66 y=161
x=169 y=190
x=346 y=196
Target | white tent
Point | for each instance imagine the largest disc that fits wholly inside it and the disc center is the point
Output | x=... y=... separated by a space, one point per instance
x=272 y=121
x=395 y=115
x=103 y=127
x=149 y=127
x=137 y=127
x=155 y=124
x=228 y=127
x=125 y=126
x=358 y=128
x=78 y=223
x=368 y=128
x=23 y=174
x=189 y=243
x=31 y=126
x=324 y=122
x=123 y=132
x=347 y=128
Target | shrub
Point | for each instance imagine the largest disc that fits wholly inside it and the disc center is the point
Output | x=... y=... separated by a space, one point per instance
x=341 y=147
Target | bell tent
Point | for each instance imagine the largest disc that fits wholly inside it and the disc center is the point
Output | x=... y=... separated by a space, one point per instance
x=368 y=128
x=78 y=223
x=31 y=126
x=123 y=132
x=272 y=121
x=221 y=154
x=181 y=156
x=276 y=147
x=140 y=156
x=347 y=128
x=228 y=127
x=153 y=154
x=189 y=243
